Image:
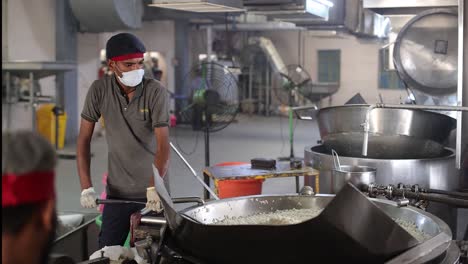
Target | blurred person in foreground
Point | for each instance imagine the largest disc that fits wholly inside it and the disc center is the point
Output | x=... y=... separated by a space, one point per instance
x=28 y=198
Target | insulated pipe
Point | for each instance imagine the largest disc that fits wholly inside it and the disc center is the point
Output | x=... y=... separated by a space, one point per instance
x=366 y=124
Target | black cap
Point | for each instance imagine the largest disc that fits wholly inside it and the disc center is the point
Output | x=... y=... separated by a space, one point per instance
x=124 y=46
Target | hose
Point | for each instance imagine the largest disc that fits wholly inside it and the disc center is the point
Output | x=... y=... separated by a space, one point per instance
x=432 y=198
x=450 y=193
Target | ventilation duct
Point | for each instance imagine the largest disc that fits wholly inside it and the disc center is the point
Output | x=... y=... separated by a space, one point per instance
x=252 y=22
x=290 y=10
x=107 y=15
x=271 y=53
x=363 y=22
x=267 y=26
x=339 y=15
x=201 y=6
x=405 y=7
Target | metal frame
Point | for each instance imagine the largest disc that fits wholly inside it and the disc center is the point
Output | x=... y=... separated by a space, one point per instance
x=462 y=98
x=32 y=70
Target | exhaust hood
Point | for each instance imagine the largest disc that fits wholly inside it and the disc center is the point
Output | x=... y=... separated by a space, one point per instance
x=201 y=6
x=253 y=22
x=290 y=10
x=336 y=15
x=406 y=7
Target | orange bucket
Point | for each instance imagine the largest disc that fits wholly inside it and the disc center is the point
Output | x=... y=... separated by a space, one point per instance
x=236 y=188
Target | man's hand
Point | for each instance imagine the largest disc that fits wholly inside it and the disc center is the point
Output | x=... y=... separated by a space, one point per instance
x=153 y=201
x=88 y=198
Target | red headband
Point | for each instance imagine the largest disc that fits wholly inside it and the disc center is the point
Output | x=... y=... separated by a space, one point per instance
x=32 y=187
x=127 y=56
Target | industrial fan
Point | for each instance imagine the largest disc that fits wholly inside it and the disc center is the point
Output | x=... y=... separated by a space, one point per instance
x=211 y=99
x=291 y=86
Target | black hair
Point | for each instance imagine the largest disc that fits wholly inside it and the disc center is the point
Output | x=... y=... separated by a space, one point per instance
x=14 y=218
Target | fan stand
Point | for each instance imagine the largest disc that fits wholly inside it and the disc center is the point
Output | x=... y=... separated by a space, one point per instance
x=291 y=157
x=291 y=129
x=206 y=131
x=207 y=144
x=205 y=81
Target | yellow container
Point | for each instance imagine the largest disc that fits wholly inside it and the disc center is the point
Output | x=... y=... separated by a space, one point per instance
x=46 y=124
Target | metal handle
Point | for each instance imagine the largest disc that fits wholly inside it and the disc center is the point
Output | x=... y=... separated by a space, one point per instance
x=301 y=117
x=112 y=201
x=193 y=171
x=197 y=200
x=153 y=220
x=336 y=160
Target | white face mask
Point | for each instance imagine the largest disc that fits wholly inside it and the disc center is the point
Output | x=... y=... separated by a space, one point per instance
x=132 y=78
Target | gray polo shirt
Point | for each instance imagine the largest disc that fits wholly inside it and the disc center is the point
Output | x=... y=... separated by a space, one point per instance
x=129 y=131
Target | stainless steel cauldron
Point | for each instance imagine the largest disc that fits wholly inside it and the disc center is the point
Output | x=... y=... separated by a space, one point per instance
x=394 y=133
x=436 y=173
x=299 y=243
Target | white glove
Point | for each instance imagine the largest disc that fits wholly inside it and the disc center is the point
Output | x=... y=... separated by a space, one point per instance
x=88 y=198
x=153 y=201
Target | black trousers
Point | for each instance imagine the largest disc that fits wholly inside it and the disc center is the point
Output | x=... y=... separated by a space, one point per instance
x=116 y=222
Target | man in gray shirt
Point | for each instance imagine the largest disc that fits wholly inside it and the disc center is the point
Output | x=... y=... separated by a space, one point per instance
x=136 y=116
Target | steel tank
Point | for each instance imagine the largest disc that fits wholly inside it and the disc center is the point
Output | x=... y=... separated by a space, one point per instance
x=434 y=173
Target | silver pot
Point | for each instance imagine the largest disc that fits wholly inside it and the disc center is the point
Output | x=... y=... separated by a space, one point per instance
x=357 y=175
x=393 y=134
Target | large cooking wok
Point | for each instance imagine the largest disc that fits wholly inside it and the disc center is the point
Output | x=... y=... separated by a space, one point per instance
x=306 y=242
x=394 y=133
